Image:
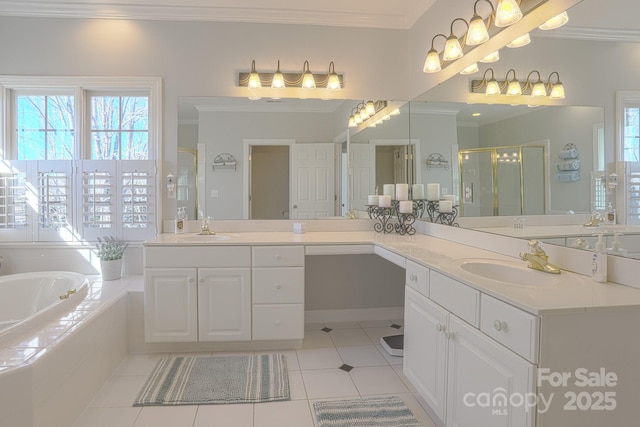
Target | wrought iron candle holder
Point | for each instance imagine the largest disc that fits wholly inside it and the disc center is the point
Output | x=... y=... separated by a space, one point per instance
x=405 y=224
x=448 y=218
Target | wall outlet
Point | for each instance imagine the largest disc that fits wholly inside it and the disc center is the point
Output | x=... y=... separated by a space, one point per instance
x=214 y=193
x=445 y=190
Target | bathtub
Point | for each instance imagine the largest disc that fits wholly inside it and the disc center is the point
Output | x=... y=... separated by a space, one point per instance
x=32 y=298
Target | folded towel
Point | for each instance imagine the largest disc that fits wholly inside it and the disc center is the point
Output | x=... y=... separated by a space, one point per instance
x=568 y=176
x=568 y=165
x=568 y=154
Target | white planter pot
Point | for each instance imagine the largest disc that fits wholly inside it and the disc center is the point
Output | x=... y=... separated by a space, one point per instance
x=111 y=270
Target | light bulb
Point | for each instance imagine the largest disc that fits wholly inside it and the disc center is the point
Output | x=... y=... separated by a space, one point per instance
x=452 y=49
x=477 y=33
x=432 y=63
x=492 y=57
x=278 y=80
x=493 y=88
x=523 y=40
x=473 y=68
x=507 y=13
x=308 y=82
x=254 y=81
x=539 y=90
x=514 y=88
x=555 y=22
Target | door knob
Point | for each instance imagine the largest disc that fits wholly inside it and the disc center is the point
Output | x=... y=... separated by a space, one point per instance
x=295 y=206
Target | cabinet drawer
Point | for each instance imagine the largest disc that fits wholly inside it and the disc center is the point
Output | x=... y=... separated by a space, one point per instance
x=417 y=277
x=200 y=256
x=458 y=298
x=278 y=256
x=512 y=327
x=278 y=285
x=278 y=322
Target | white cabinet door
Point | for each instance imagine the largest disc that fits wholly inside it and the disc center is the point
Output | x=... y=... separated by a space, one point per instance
x=170 y=305
x=224 y=304
x=425 y=349
x=484 y=380
x=312 y=181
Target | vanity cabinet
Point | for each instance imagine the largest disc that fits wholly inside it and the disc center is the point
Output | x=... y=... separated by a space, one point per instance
x=230 y=293
x=453 y=364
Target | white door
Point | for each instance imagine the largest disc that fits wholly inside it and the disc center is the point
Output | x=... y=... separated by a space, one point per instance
x=480 y=367
x=363 y=174
x=425 y=349
x=170 y=305
x=312 y=181
x=224 y=304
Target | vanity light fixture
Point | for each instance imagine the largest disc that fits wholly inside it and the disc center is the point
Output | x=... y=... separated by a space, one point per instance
x=368 y=113
x=255 y=81
x=492 y=57
x=504 y=14
x=533 y=86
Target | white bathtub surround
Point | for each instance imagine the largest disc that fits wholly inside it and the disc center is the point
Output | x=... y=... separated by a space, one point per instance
x=49 y=373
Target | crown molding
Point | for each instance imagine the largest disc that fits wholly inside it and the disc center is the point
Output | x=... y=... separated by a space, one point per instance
x=592 y=34
x=46 y=9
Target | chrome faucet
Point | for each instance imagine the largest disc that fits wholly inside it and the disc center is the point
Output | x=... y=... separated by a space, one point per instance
x=594 y=221
x=204 y=229
x=538 y=258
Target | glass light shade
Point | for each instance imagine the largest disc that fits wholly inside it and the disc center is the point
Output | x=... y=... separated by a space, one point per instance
x=539 y=90
x=514 y=88
x=507 y=13
x=254 y=94
x=386 y=117
x=358 y=118
x=308 y=82
x=473 y=68
x=493 y=88
x=555 y=22
x=378 y=122
x=395 y=112
x=372 y=125
x=452 y=49
x=333 y=82
x=557 y=91
x=254 y=81
x=371 y=109
x=364 y=115
x=352 y=122
x=477 y=33
x=492 y=57
x=278 y=80
x=523 y=40
x=432 y=63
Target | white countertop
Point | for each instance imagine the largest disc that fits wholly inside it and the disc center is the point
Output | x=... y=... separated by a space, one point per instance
x=573 y=292
x=554 y=231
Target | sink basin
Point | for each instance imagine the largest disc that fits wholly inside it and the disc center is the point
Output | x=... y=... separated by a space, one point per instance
x=507 y=272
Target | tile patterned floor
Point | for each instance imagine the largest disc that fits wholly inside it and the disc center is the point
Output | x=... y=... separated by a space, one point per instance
x=314 y=374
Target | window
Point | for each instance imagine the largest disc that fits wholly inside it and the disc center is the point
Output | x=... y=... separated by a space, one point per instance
x=65 y=177
x=631 y=133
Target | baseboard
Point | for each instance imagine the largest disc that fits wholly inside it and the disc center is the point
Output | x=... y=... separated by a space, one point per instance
x=353 y=314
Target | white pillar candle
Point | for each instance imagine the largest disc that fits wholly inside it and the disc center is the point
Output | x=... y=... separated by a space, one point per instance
x=384 y=201
x=388 y=190
x=402 y=191
x=450 y=197
x=445 y=206
x=417 y=191
x=373 y=200
x=433 y=191
x=406 y=206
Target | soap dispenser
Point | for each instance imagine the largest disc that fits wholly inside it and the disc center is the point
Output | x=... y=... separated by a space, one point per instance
x=615 y=246
x=599 y=261
x=611 y=214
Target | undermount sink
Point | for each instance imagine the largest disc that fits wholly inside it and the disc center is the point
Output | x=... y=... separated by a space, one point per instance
x=506 y=272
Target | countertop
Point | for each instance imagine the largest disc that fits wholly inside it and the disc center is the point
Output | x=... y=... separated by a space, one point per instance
x=572 y=292
x=554 y=231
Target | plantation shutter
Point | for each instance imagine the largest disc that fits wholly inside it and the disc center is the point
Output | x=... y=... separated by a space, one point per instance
x=52 y=185
x=98 y=204
x=13 y=201
x=137 y=199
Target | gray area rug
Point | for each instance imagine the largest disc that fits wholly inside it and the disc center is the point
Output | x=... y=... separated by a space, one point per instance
x=370 y=412
x=216 y=380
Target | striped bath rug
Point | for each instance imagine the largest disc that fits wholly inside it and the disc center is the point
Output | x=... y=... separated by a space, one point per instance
x=216 y=380
x=370 y=412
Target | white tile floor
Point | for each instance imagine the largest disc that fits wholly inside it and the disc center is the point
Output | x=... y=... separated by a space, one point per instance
x=313 y=376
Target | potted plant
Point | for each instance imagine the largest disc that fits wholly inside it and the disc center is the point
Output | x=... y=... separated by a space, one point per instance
x=110 y=252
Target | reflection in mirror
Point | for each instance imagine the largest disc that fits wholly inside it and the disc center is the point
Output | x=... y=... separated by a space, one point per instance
x=186 y=194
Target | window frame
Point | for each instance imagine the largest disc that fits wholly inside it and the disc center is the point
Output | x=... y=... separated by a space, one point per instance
x=624 y=99
x=83 y=88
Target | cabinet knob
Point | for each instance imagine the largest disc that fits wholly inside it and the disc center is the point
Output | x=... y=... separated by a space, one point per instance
x=277 y=256
x=413 y=278
x=278 y=286
x=498 y=325
x=191 y=280
x=448 y=335
x=439 y=327
x=202 y=280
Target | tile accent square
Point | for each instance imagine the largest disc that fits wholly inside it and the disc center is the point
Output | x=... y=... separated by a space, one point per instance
x=396 y=326
x=327 y=330
x=346 y=368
